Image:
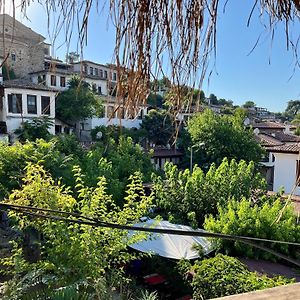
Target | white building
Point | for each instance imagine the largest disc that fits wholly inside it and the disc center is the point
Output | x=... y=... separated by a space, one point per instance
x=287 y=168
x=22 y=100
x=103 y=81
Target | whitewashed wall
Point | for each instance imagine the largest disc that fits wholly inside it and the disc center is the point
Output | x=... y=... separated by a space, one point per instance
x=285 y=172
x=14 y=120
x=127 y=123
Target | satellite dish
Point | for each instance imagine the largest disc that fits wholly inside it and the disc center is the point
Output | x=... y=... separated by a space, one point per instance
x=99 y=135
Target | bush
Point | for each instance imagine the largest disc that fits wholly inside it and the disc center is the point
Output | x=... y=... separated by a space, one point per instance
x=223 y=275
x=38 y=128
x=74 y=253
x=271 y=220
x=184 y=195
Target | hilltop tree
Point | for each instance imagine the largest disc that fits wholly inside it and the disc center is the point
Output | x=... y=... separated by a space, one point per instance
x=213 y=99
x=249 y=104
x=293 y=108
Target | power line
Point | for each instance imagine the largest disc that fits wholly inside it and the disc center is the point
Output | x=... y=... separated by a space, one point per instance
x=82 y=220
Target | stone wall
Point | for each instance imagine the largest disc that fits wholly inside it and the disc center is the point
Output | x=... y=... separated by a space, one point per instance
x=24 y=48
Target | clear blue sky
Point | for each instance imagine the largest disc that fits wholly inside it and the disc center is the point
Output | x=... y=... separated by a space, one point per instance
x=237 y=76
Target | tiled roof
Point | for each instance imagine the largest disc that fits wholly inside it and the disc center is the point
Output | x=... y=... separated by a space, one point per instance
x=267 y=140
x=268 y=125
x=56 y=71
x=284 y=137
x=286 y=148
x=24 y=84
x=166 y=153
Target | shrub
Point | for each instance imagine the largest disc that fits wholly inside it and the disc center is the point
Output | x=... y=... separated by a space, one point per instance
x=270 y=220
x=184 y=195
x=223 y=275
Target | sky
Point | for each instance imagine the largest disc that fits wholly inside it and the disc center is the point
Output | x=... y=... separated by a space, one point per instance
x=264 y=76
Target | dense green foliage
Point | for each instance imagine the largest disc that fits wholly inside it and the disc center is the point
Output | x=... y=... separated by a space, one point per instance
x=270 y=220
x=158 y=127
x=37 y=128
x=223 y=275
x=13 y=160
x=293 y=108
x=249 y=104
x=75 y=253
x=115 y=132
x=78 y=102
x=189 y=197
x=223 y=136
x=114 y=160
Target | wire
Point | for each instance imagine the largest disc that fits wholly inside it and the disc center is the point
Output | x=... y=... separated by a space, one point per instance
x=97 y=223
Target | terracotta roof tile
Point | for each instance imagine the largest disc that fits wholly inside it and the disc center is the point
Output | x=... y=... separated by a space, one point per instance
x=268 y=125
x=24 y=84
x=284 y=137
x=286 y=148
x=267 y=140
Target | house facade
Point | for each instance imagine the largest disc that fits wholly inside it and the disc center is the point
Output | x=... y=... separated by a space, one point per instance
x=281 y=163
x=28 y=55
x=22 y=100
x=287 y=168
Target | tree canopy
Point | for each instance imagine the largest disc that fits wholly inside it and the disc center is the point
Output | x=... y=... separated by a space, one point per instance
x=158 y=127
x=223 y=136
x=77 y=102
x=293 y=108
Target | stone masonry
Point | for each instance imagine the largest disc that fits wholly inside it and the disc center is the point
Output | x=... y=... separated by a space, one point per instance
x=24 y=48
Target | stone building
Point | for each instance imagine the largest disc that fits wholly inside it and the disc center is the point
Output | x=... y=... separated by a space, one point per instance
x=22 y=49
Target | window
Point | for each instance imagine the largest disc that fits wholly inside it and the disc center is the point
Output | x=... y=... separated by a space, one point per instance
x=110 y=112
x=15 y=103
x=91 y=71
x=297 y=172
x=101 y=73
x=99 y=90
x=115 y=76
x=53 y=80
x=67 y=130
x=62 y=81
x=31 y=104
x=120 y=113
x=96 y=72
x=58 y=129
x=13 y=57
x=105 y=74
x=85 y=68
x=45 y=105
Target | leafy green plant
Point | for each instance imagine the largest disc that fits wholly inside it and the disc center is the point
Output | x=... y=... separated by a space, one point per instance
x=269 y=220
x=223 y=275
x=37 y=128
x=189 y=197
x=74 y=252
x=146 y=295
x=158 y=127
